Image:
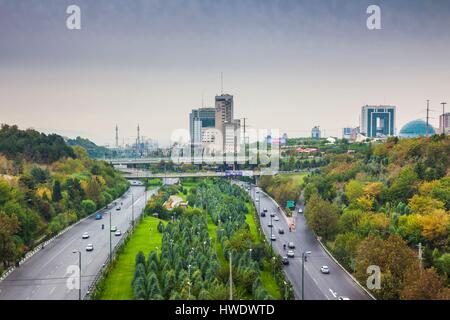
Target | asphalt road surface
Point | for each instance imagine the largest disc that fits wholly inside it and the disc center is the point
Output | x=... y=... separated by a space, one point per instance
x=49 y=275
x=317 y=286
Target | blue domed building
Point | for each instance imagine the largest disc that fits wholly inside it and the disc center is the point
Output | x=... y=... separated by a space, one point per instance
x=416 y=128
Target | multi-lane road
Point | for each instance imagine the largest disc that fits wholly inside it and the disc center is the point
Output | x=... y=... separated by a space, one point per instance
x=49 y=274
x=317 y=286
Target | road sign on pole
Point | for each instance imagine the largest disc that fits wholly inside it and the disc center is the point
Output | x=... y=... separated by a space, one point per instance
x=290 y=204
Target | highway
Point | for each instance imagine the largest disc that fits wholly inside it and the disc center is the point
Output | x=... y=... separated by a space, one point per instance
x=47 y=275
x=317 y=286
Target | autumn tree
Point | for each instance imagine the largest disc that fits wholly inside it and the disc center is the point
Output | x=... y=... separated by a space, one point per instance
x=424 y=285
x=9 y=225
x=322 y=217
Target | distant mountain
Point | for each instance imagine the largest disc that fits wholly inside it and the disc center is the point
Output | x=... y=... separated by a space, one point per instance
x=94 y=151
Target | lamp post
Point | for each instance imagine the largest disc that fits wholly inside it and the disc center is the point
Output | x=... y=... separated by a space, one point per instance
x=189 y=281
x=110 y=240
x=271 y=232
x=79 y=276
x=132 y=210
x=231 y=277
x=304 y=253
x=285 y=290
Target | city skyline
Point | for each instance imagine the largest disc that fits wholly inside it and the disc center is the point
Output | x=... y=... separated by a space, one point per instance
x=289 y=64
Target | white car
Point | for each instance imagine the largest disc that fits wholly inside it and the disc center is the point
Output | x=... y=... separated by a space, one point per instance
x=273 y=237
x=325 y=269
x=343 y=298
x=290 y=253
x=276 y=218
x=300 y=210
x=118 y=233
x=90 y=247
x=85 y=235
x=272 y=214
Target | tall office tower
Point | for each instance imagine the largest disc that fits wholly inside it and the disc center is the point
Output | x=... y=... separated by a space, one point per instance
x=378 y=121
x=315 y=133
x=224 y=111
x=444 y=123
x=232 y=136
x=199 y=119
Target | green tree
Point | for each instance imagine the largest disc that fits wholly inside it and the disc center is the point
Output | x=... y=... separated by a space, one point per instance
x=322 y=217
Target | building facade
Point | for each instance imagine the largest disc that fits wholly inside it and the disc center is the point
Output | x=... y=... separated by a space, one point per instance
x=315 y=133
x=232 y=137
x=224 y=111
x=198 y=120
x=444 y=123
x=378 y=121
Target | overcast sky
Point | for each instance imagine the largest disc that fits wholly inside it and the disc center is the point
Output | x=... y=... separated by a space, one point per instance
x=289 y=64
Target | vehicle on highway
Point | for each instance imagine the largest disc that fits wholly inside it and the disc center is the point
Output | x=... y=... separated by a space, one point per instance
x=300 y=210
x=285 y=261
x=113 y=229
x=276 y=218
x=118 y=233
x=256 y=200
x=265 y=210
x=325 y=269
x=85 y=235
x=118 y=208
x=270 y=225
x=263 y=214
x=343 y=298
x=257 y=191
x=273 y=238
x=98 y=216
x=280 y=231
x=90 y=247
x=290 y=253
x=291 y=245
x=272 y=214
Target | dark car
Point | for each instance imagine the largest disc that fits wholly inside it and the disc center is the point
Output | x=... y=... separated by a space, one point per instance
x=263 y=214
x=280 y=231
x=272 y=214
x=270 y=225
x=291 y=245
x=285 y=261
x=265 y=210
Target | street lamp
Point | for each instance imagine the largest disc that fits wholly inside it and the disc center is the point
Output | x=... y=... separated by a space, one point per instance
x=285 y=290
x=110 y=240
x=189 y=281
x=304 y=253
x=79 y=276
x=271 y=232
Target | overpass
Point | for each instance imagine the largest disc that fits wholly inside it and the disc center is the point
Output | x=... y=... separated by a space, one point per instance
x=136 y=174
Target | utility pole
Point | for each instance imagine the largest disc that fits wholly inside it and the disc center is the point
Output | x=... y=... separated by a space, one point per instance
x=231 y=277
x=443 y=116
x=271 y=232
x=110 y=240
x=117 y=136
x=189 y=277
x=428 y=116
x=79 y=277
x=132 y=210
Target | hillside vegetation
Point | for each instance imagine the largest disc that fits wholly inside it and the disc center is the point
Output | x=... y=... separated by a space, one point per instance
x=378 y=207
x=45 y=186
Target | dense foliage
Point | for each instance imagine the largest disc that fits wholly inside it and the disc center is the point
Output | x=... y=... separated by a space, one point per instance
x=32 y=146
x=45 y=187
x=191 y=262
x=94 y=151
x=377 y=207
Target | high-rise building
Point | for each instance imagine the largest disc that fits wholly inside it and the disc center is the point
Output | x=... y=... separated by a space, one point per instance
x=444 y=123
x=315 y=133
x=232 y=136
x=199 y=119
x=350 y=133
x=224 y=111
x=378 y=121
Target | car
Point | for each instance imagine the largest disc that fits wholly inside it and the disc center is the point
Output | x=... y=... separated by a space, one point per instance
x=90 y=247
x=343 y=298
x=118 y=208
x=325 y=269
x=263 y=214
x=85 y=235
x=273 y=238
x=276 y=218
x=280 y=231
x=256 y=200
x=98 y=216
x=300 y=210
x=270 y=225
x=285 y=261
x=113 y=229
x=265 y=210
x=257 y=191
x=290 y=253
x=272 y=214
x=118 y=233
x=291 y=245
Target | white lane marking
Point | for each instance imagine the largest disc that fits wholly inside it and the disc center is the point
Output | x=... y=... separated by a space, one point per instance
x=333 y=293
